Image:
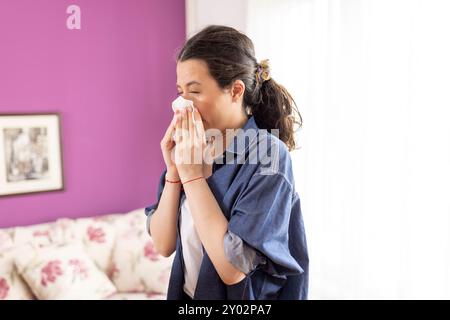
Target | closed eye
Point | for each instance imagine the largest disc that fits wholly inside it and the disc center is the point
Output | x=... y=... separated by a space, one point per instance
x=194 y=92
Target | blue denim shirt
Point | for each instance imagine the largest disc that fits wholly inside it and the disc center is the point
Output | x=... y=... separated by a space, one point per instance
x=254 y=186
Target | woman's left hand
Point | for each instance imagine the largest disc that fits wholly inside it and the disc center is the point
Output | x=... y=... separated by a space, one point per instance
x=190 y=145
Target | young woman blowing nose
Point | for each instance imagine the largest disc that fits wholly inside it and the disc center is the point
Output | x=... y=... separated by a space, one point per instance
x=227 y=203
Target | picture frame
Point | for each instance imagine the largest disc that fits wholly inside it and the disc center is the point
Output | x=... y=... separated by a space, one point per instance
x=30 y=153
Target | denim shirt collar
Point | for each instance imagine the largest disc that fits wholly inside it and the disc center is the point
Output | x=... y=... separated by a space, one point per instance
x=249 y=130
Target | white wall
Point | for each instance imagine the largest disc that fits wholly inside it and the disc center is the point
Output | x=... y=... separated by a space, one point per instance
x=200 y=13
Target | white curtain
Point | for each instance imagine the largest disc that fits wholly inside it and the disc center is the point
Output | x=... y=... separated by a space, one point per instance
x=372 y=81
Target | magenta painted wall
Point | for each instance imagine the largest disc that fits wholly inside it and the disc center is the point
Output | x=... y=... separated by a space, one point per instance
x=112 y=82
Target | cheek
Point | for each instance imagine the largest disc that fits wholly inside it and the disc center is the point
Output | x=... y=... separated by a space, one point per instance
x=205 y=107
x=202 y=109
x=209 y=106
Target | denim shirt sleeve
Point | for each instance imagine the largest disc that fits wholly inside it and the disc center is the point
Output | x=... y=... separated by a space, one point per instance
x=239 y=254
x=152 y=208
x=261 y=218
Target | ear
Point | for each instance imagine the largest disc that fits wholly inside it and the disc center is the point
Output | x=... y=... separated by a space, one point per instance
x=237 y=90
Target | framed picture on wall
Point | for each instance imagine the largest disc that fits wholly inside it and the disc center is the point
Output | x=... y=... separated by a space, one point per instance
x=30 y=153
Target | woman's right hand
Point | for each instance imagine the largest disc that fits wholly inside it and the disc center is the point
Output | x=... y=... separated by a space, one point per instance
x=167 y=145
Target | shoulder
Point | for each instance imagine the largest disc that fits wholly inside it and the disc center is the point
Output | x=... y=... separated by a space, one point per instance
x=274 y=158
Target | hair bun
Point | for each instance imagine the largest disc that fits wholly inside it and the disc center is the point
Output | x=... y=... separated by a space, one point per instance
x=263 y=71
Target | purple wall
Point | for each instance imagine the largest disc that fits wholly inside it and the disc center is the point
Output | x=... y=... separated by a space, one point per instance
x=112 y=82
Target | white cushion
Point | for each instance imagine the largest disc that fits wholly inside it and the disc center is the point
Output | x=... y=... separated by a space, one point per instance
x=98 y=237
x=137 y=296
x=6 y=240
x=136 y=264
x=12 y=286
x=62 y=272
x=41 y=235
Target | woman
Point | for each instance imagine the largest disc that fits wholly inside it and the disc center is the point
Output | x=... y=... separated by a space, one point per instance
x=235 y=222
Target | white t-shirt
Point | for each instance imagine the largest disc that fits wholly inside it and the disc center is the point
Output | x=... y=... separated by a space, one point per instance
x=191 y=244
x=192 y=249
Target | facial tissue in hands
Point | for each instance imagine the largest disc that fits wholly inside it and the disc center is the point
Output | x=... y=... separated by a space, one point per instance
x=180 y=103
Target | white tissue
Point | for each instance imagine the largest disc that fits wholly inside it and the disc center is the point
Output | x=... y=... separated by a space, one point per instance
x=180 y=103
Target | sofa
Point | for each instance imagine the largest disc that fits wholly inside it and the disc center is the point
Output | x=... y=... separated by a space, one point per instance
x=104 y=257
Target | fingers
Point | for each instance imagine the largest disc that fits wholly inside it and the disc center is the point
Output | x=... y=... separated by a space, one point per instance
x=178 y=133
x=194 y=139
x=199 y=129
x=191 y=126
x=184 y=126
x=167 y=141
x=170 y=129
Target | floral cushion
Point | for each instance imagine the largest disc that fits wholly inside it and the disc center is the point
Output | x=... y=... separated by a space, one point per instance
x=62 y=272
x=137 y=296
x=12 y=286
x=98 y=238
x=41 y=235
x=6 y=240
x=136 y=266
x=117 y=244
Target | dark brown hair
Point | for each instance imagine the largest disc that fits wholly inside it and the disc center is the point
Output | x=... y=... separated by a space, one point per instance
x=230 y=56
